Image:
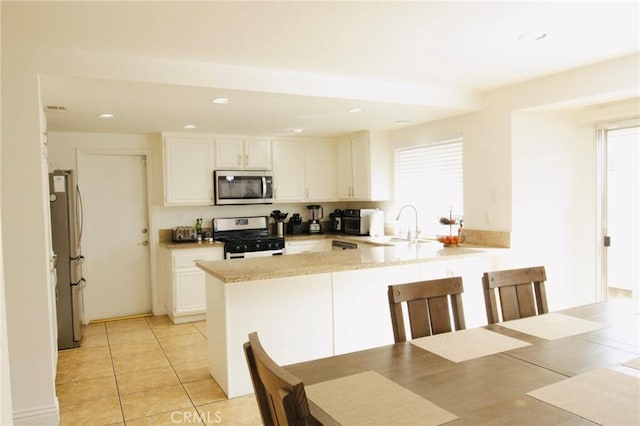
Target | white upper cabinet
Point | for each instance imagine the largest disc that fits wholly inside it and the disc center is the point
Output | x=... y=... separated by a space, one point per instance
x=188 y=170
x=288 y=171
x=304 y=171
x=364 y=167
x=319 y=171
x=242 y=154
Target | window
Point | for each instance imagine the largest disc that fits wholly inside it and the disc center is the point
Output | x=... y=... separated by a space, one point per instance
x=430 y=178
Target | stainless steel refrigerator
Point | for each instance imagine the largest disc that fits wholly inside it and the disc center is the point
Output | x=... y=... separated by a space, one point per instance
x=66 y=233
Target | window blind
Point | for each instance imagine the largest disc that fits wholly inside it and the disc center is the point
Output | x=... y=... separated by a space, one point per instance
x=430 y=178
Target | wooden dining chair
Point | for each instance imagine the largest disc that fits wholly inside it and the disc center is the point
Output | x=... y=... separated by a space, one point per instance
x=521 y=293
x=280 y=395
x=428 y=307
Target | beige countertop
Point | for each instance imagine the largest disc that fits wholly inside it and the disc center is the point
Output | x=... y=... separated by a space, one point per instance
x=375 y=253
x=289 y=237
x=190 y=245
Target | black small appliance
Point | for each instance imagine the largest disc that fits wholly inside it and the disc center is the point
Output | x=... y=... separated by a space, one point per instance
x=294 y=226
x=336 y=220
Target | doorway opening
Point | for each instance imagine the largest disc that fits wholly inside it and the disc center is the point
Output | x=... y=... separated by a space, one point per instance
x=117 y=258
x=619 y=161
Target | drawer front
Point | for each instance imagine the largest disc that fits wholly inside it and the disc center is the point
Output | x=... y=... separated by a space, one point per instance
x=188 y=258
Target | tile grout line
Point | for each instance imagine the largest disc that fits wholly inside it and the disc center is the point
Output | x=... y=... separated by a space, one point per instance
x=193 y=405
x=109 y=346
x=115 y=376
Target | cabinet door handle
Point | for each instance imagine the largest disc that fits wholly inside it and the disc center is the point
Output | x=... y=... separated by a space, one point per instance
x=246 y=159
x=239 y=159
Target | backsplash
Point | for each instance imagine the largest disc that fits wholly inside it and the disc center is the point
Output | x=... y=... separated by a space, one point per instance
x=487 y=238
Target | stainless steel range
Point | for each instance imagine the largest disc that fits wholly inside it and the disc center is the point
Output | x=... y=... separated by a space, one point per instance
x=245 y=237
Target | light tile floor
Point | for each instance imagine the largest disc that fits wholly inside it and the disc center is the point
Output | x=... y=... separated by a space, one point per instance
x=145 y=371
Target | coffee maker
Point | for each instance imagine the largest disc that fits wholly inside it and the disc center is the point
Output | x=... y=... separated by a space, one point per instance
x=336 y=220
x=315 y=214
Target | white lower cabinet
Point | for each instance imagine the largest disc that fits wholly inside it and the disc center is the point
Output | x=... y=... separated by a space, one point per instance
x=185 y=297
x=307 y=246
x=361 y=317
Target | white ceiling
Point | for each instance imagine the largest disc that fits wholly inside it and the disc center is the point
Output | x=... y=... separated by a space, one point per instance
x=464 y=48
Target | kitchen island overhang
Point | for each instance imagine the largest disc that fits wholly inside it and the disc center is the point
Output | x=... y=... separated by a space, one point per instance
x=314 y=305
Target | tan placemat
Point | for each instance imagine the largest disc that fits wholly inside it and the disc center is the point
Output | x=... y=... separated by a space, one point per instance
x=468 y=344
x=371 y=399
x=603 y=396
x=551 y=326
x=634 y=363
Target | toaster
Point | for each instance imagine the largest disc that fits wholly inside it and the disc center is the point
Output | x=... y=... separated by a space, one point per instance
x=185 y=233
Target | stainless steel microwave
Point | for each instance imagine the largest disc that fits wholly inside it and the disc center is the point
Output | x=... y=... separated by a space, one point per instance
x=242 y=187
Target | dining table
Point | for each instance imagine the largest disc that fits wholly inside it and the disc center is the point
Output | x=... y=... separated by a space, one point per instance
x=569 y=367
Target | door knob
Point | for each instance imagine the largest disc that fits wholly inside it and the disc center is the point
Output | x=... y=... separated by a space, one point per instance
x=144 y=243
x=144 y=230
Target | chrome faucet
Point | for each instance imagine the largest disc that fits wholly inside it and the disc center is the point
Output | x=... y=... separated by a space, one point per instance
x=415 y=237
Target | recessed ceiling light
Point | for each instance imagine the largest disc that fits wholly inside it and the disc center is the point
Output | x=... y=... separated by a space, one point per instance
x=220 y=100
x=106 y=115
x=403 y=122
x=298 y=130
x=358 y=109
x=190 y=126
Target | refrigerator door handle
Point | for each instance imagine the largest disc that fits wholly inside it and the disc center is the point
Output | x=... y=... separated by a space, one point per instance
x=80 y=213
x=75 y=270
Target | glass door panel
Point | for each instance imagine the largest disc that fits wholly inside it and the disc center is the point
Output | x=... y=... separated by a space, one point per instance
x=622 y=257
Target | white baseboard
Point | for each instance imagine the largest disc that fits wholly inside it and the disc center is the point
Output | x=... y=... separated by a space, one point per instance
x=43 y=415
x=181 y=319
x=159 y=310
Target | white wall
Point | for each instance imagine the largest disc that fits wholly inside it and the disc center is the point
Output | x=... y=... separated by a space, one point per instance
x=28 y=290
x=554 y=206
x=486 y=153
x=6 y=410
x=522 y=166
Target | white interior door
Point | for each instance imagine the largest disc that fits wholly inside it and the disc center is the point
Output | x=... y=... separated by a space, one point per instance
x=622 y=202
x=115 y=244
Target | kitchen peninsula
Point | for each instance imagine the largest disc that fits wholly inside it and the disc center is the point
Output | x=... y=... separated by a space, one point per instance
x=314 y=305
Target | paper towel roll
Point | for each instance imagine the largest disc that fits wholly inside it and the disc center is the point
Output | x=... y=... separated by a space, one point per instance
x=376 y=224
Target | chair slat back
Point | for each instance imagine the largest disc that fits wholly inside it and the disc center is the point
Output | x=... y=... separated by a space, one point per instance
x=431 y=306
x=521 y=293
x=280 y=395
